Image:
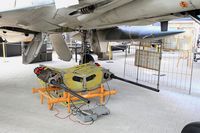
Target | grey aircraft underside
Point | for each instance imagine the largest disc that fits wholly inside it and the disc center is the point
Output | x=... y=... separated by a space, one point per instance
x=38 y=18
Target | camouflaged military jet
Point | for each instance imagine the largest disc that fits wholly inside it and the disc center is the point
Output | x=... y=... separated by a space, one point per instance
x=33 y=20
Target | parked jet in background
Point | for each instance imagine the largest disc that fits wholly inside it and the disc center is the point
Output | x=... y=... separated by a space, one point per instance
x=52 y=17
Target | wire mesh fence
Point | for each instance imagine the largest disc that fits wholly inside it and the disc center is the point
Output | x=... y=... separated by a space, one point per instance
x=151 y=64
x=177 y=67
x=142 y=65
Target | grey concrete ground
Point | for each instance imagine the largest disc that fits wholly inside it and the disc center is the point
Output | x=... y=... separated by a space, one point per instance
x=133 y=109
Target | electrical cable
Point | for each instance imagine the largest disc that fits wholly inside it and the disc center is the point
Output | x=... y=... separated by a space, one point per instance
x=77 y=109
x=85 y=123
x=58 y=112
x=74 y=112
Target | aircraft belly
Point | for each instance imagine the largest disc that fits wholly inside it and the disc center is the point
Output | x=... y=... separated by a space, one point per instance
x=141 y=10
x=41 y=20
x=196 y=3
x=132 y=12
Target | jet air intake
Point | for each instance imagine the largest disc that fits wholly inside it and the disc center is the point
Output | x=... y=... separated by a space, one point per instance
x=164 y=26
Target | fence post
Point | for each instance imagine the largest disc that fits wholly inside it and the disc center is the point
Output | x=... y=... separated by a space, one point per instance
x=125 y=63
x=138 y=63
x=160 y=46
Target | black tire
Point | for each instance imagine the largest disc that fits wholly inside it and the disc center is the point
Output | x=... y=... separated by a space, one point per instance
x=86 y=59
x=193 y=127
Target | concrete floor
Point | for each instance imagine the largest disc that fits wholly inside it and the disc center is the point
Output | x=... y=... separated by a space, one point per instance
x=133 y=109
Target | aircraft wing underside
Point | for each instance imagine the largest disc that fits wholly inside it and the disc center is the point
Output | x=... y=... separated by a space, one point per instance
x=95 y=14
x=33 y=20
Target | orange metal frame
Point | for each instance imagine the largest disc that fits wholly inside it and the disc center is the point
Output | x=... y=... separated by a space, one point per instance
x=68 y=98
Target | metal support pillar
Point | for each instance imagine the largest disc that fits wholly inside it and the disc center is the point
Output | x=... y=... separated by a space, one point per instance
x=4 y=52
x=83 y=46
x=160 y=46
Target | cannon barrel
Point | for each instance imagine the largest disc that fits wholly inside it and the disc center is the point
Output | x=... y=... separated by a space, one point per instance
x=134 y=83
x=53 y=82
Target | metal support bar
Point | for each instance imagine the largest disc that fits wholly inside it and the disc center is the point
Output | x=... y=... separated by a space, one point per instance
x=135 y=83
x=125 y=62
x=83 y=46
x=67 y=99
x=97 y=94
x=4 y=52
x=160 y=47
x=34 y=90
x=191 y=78
x=70 y=91
x=138 y=67
x=76 y=52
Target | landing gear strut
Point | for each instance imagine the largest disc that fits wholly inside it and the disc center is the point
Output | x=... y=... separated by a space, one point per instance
x=85 y=56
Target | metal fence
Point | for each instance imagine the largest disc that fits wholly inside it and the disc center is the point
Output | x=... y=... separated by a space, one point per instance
x=155 y=65
x=142 y=65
